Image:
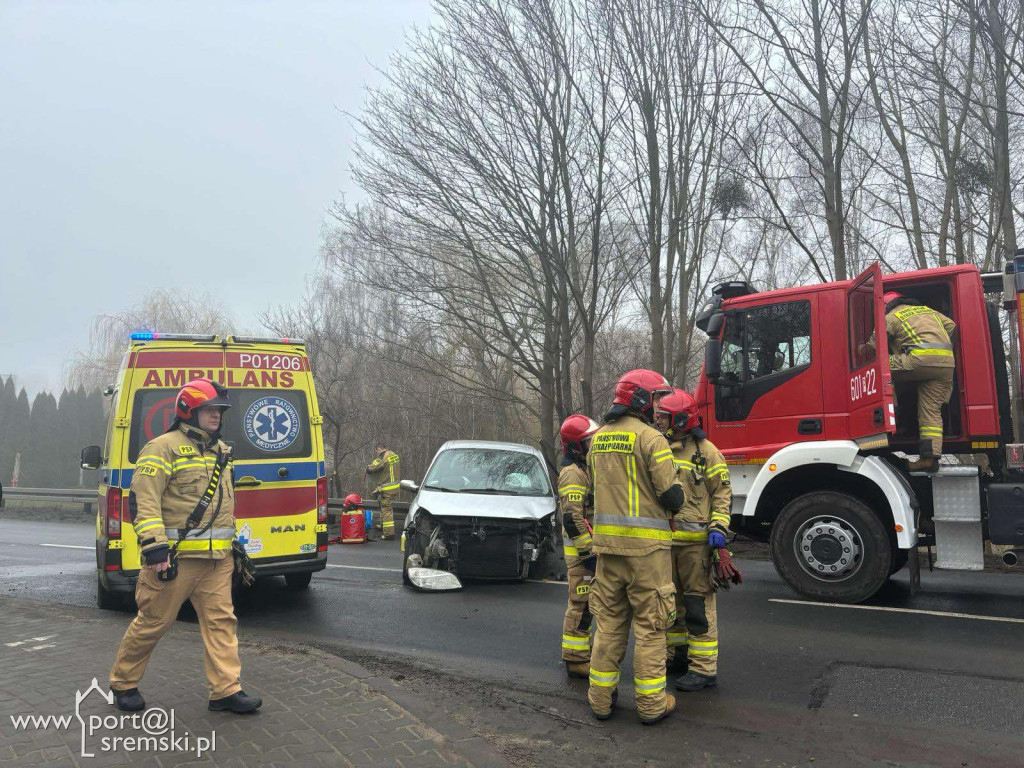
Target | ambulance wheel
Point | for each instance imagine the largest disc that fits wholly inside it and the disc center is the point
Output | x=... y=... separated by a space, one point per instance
x=298 y=580
x=110 y=601
x=830 y=546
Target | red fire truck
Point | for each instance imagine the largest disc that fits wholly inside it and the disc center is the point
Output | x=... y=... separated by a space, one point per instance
x=809 y=421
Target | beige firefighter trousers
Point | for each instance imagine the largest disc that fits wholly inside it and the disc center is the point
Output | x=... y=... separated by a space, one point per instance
x=695 y=632
x=207 y=583
x=576 y=626
x=639 y=591
x=934 y=389
x=386 y=524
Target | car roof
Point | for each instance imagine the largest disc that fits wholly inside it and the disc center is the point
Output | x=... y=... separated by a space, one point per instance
x=491 y=445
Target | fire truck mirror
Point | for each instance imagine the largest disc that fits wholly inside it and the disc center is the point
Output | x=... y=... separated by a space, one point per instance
x=713 y=359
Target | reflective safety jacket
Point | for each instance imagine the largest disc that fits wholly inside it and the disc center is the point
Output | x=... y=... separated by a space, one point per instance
x=705 y=478
x=636 y=489
x=385 y=472
x=921 y=332
x=171 y=474
x=575 y=505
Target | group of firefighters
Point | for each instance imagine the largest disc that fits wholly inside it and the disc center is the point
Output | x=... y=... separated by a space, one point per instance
x=645 y=502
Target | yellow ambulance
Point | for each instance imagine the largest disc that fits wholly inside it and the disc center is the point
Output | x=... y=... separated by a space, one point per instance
x=274 y=426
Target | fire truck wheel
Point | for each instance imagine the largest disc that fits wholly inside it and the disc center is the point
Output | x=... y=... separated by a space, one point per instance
x=112 y=601
x=830 y=546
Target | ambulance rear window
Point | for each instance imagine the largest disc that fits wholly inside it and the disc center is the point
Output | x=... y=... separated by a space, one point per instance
x=261 y=423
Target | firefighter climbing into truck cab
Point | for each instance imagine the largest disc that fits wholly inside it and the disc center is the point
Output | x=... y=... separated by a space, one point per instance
x=385 y=471
x=700 y=561
x=182 y=509
x=636 y=492
x=921 y=352
x=575 y=506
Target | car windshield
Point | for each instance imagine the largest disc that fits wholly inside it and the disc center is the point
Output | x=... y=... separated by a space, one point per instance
x=488 y=470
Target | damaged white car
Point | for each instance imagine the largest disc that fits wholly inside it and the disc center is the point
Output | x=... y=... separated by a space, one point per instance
x=485 y=510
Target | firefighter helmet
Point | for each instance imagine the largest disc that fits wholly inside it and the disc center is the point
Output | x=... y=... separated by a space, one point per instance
x=200 y=393
x=681 y=409
x=575 y=430
x=353 y=500
x=636 y=389
x=891 y=296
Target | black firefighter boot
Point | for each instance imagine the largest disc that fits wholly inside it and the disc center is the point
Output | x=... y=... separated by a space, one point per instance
x=239 y=703
x=928 y=461
x=695 y=681
x=129 y=701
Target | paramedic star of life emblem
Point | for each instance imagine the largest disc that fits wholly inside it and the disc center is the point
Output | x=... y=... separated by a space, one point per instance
x=271 y=423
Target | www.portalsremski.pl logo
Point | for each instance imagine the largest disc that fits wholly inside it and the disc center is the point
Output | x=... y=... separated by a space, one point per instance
x=154 y=729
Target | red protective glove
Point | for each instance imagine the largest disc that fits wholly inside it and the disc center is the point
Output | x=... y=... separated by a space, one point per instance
x=726 y=571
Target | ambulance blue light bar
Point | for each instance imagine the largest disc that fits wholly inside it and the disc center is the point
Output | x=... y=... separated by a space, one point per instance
x=147 y=336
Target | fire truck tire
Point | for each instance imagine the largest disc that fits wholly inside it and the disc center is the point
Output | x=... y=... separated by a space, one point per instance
x=830 y=546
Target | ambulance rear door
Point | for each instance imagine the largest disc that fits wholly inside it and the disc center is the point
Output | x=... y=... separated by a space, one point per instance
x=871 y=413
x=277 y=448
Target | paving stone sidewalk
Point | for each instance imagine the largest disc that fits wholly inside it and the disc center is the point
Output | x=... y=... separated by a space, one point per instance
x=318 y=710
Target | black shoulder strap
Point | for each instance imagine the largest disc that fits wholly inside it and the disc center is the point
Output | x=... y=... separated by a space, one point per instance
x=204 y=501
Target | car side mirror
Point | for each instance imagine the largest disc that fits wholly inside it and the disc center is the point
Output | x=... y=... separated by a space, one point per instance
x=92 y=457
x=409 y=485
x=713 y=360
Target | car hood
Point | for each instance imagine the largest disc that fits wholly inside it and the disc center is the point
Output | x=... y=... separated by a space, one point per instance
x=442 y=504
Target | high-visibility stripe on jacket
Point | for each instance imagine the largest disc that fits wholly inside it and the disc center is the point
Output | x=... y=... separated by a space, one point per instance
x=574 y=493
x=921 y=332
x=631 y=469
x=705 y=478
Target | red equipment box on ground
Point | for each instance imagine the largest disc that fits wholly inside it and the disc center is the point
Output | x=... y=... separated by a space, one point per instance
x=353 y=527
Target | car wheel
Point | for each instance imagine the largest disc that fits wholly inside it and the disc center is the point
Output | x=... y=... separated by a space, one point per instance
x=830 y=546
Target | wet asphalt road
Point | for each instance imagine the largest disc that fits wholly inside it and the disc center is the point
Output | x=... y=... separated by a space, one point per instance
x=844 y=686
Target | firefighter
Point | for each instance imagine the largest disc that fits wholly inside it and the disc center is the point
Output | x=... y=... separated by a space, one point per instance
x=636 y=492
x=699 y=529
x=384 y=469
x=575 y=501
x=182 y=509
x=921 y=352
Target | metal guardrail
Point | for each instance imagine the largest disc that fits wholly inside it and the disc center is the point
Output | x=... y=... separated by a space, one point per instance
x=88 y=498
x=67 y=495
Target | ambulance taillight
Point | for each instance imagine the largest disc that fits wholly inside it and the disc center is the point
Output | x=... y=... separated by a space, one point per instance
x=113 y=513
x=321 y=500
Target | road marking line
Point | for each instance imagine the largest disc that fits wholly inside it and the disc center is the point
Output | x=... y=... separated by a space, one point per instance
x=67 y=546
x=942 y=614
x=365 y=568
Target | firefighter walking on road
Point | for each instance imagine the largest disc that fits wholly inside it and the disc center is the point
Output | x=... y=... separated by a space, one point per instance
x=575 y=505
x=700 y=530
x=182 y=509
x=921 y=352
x=636 y=492
x=385 y=470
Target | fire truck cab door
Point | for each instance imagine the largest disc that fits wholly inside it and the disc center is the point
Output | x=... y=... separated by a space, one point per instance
x=869 y=382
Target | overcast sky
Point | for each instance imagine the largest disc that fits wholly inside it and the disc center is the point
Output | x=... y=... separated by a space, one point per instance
x=161 y=143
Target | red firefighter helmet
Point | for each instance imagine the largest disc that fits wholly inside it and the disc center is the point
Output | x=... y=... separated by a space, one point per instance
x=890 y=296
x=575 y=430
x=681 y=409
x=353 y=500
x=200 y=393
x=636 y=389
